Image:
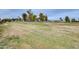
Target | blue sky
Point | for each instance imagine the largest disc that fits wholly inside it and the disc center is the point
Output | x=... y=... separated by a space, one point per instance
x=52 y=13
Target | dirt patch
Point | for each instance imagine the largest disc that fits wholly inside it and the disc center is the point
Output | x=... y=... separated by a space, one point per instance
x=15 y=30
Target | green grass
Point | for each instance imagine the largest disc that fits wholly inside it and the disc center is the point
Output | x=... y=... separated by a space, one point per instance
x=39 y=35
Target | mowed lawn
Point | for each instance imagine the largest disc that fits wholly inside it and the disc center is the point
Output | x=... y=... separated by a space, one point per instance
x=39 y=35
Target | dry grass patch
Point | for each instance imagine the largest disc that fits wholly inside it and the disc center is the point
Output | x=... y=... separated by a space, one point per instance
x=39 y=35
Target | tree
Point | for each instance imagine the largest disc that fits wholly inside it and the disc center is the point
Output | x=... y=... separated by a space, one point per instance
x=13 y=19
x=73 y=20
x=41 y=17
x=61 y=19
x=30 y=15
x=46 y=18
x=67 y=19
x=24 y=15
x=34 y=17
x=29 y=11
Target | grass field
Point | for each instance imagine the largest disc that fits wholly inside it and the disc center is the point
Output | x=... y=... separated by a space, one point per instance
x=39 y=35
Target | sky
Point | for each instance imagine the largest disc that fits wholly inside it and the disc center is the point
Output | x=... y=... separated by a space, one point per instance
x=53 y=14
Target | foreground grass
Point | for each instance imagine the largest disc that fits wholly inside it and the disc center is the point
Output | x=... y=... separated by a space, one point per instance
x=39 y=35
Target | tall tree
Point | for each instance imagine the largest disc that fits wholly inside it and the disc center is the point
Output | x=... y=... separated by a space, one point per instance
x=30 y=15
x=34 y=18
x=41 y=17
x=67 y=19
x=24 y=15
x=46 y=18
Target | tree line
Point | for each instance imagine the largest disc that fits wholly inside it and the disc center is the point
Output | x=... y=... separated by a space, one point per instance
x=68 y=20
x=29 y=16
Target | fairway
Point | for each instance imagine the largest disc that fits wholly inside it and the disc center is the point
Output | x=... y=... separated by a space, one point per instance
x=39 y=35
